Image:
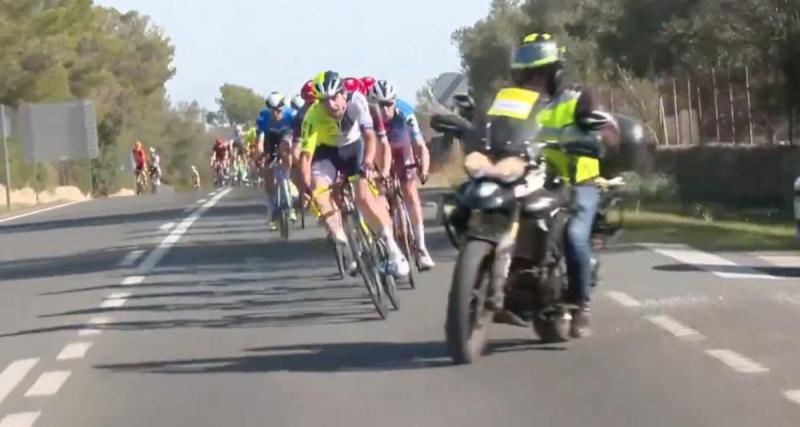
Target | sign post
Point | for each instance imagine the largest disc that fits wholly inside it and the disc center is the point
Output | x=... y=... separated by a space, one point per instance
x=5 y=131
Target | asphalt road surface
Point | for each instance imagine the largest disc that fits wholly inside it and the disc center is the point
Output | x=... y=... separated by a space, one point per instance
x=182 y=310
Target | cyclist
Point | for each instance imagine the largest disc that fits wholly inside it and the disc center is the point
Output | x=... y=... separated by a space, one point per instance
x=219 y=157
x=139 y=158
x=275 y=130
x=407 y=144
x=155 y=165
x=338 y=137
x=382 y=152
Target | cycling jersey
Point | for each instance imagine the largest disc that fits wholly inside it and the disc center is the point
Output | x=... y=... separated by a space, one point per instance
x=282 y=126
x=407 y=111
x=220 y=151
x=140 y=158
x=319 y=128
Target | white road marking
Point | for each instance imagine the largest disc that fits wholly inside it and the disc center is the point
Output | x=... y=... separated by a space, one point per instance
x=709 y=262
x=675 y=328
x=679 y=301
x=202 y=201
x=27 y=214
x=20 y=419
x=793 y=395
x=132 y=280
x=155 y=256
x=166 y=227
x=623 y=299
x=737 y=362
x=13 y=374
x=74 y=351
x=48 y=384
x=92 y=331
x=131 y=258
x=115 y=300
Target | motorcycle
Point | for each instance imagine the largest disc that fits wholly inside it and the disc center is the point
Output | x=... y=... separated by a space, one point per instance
x=497 y=276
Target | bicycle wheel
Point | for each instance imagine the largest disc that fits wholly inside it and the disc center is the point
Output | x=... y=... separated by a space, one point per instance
x=404 y=236
x=339 y=253
x=369 y=269
x=387 y=280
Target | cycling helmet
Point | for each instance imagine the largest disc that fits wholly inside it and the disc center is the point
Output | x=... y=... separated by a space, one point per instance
x=275 y=100
x=307 y=92
x=352 y=84
x=153 y=150
x=384 y=91
x=327 y=84
x=298 y=102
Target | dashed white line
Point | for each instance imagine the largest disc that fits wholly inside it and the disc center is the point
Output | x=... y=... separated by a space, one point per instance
x=155 y=256
x=13 y=374
x=48 y=384
x=93 y=331
x=737 y=362
x=709 y=262
x=132 y=280
x=793 y=396
x=131 y=258
x=675 y=328
x=624 y=299
x=202 y=201
x=20 y=419
x=74 y=351
x=166 y=227
x=115 y=300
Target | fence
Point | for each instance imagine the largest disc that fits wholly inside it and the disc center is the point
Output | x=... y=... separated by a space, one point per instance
x=723 y=106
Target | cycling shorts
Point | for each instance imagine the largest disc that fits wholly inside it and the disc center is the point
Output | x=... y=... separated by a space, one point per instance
x=329 y=162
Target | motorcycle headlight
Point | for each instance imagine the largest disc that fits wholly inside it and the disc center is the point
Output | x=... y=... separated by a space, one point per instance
x=487 y=189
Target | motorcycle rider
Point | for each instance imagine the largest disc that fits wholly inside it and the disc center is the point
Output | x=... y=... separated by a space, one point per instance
x=539 y=65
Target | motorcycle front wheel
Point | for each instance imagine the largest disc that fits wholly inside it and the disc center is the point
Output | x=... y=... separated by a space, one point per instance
x=468 y=319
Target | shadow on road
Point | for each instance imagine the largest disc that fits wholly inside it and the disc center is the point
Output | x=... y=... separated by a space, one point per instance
x=785 y=272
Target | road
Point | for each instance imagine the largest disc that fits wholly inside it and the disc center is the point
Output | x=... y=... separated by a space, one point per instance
x=182 y=310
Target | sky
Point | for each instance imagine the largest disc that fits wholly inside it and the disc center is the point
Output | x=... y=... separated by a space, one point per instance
x=278 y=44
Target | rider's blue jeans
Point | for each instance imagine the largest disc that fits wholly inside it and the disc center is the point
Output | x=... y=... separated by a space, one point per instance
x=578 y=242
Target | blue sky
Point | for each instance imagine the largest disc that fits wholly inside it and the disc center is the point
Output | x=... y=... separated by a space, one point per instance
x=279 y=44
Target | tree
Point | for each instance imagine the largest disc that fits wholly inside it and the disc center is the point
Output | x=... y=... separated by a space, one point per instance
x=239 y=104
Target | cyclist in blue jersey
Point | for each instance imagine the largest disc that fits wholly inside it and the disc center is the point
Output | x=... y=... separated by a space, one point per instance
x=407 y=145
x=275 y=126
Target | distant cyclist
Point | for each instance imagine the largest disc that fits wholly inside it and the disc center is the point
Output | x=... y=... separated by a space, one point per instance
x=139 y=158
x=407 y=144
x=219 y=158
x=155 y=165
x=275 y=131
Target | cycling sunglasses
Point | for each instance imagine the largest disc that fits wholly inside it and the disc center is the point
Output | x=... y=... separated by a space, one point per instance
x=386 y=104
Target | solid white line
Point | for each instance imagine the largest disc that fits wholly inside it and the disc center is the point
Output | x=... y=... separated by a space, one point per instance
x=115 y=300
x=793 y=395
x=20 y=419
x=623 y=299
x=27 y=214
x=201 y=201
x=155 y=256
x=91 y=331
x=166 y=227
x=675 y=328
x=13 y=374
x=709 y=262
x=132 y=280
x=48 y=384
x=131 y=258
x=74 y=351
x=737 y=362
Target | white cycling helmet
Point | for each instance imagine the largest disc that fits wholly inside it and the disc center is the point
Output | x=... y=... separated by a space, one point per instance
x=276 y=100
x=327 y=84
x=298 y=102
x=383 y=91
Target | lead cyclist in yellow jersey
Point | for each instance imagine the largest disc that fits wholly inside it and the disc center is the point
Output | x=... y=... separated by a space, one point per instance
x=338 y=137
